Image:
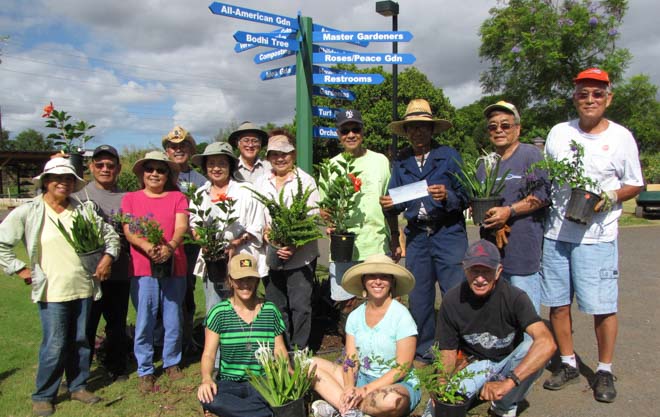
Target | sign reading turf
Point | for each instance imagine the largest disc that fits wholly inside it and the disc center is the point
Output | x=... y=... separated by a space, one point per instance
x=324 y=112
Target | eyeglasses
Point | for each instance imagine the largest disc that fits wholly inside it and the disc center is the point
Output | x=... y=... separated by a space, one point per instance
x=355 y=130
x=504 y=126
x=596 y=94
x=101 y=165
x=149 y=169
x=250 y=141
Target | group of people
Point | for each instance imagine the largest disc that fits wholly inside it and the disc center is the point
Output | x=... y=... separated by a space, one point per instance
x=491 y=291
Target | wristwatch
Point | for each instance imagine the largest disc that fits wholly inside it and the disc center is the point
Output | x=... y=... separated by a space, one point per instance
x=512 y=376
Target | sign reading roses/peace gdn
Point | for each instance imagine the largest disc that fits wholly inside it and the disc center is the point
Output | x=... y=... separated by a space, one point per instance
x=296 y=36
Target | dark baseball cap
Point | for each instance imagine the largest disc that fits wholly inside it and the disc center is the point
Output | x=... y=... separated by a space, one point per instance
x=105 y=149
x=482 y=253
x=348 y=116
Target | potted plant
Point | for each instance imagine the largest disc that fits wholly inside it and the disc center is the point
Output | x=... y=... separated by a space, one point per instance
x=485 y=194
x=340 y=185
x=284 y=388
x=584 y=190
x=209 y=233
x=85 y=236
x=290 y=225
x=149 y=229
x=71 y=137
x=445 y=388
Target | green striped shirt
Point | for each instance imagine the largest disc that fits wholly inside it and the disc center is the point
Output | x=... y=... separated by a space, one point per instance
x=238 y=340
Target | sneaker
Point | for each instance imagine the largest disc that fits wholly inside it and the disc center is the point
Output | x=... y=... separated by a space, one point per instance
x=174 y=373
x=321 y=408
x=354 y=412
x=510 y=413
x=603 y=387
x=565 y=375
x=85 y=396
x=42 y=408
x=146 y=384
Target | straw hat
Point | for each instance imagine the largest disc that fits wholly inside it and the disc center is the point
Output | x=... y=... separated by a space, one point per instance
x=247 y=127
x=138 y=167
x=178 y=135
x=378 y=264
x=59 y=166
x=215 y=148
x=419 y=110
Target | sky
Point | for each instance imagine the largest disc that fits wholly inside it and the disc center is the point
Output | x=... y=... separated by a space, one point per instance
x=137 y=68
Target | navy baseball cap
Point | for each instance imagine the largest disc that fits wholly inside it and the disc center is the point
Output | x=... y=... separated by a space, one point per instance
x=105 y=149
x=482 y=253
x=348 y=116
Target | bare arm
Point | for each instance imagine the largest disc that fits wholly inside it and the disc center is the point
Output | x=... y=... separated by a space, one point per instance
x=208 y=388
x=405 y=353
x=497 y=217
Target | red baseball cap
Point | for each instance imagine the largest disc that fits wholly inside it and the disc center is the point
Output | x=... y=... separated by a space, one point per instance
x=596 y=74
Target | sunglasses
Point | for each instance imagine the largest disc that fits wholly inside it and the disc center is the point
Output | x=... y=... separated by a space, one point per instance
x=596 y=94
x=149 y=169
x=504 y=126
x=355 y=130
x=101 y=165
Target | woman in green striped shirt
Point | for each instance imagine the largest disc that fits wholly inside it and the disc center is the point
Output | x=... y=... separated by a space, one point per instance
x=237 y=325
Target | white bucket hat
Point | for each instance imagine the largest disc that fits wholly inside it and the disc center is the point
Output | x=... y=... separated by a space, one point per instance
x=59 y=166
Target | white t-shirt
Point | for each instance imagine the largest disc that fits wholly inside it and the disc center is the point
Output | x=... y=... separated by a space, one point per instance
x=611 y=159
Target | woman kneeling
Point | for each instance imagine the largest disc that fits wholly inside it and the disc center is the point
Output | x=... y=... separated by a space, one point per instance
x=375 y=376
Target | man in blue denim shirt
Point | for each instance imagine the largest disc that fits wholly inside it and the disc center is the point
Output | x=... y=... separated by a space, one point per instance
x=436 y=239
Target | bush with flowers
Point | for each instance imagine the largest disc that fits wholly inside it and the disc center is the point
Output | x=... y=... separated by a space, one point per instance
x=145 y=227
x=71 y=137
x=340 y=185
x=567 y=171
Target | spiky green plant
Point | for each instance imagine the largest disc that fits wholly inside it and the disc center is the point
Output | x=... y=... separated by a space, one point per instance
x=85 y=235
x=493 y=182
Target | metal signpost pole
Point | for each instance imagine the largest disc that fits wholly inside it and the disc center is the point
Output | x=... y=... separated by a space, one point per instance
x=304 y=141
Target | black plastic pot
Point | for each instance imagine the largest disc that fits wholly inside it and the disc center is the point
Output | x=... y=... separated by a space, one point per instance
x=341 y=247
x=580 y=208
x=481 y=205
x=216 y=270
x=162 y=270
x=272 y=260
x=76 y=159
x=450 y=410
x=90 y=260
x=295 y=408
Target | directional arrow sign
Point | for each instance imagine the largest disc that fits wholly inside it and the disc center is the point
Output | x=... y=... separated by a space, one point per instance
x=266 y=39
x=333 y=93
x=324 y=112
x=325 y=132
x=272 y=55
x=278 y=72
x=347 y=78
x=238 y=12
x=321 y=28
x=283 y=32
x=362 y=58
x=337 y=36
x=329 y=50
x=317 y=69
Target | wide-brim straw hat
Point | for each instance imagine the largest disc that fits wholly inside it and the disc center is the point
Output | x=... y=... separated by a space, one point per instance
x=247 y=127
x=404 y=281
x=138 y=167
x=419 y=110
x=59 y=166
x=215 y=148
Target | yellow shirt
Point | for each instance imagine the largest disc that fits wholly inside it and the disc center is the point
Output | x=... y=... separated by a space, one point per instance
x=66 y=278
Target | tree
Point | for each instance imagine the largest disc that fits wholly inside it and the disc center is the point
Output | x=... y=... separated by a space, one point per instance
x=634 y=105
x=4 y=140
x=536 y=47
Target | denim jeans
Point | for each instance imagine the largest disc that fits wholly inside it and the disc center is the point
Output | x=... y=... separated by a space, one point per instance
x=531 y=284
x=147 y=293
x=64 y=347
x=488 y=370
x=237 y=399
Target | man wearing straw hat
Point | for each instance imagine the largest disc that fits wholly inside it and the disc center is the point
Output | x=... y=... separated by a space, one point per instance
x=249 y=140
x=436 y=238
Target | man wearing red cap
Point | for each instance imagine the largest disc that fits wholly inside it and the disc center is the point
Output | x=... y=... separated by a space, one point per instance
x=582 y=259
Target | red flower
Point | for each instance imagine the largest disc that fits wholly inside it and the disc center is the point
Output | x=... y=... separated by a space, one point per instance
x=48 y=110
x=357 y=183
x=221 y=197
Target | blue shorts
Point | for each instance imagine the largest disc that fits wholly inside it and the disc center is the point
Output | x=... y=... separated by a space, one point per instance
x=415 y=394
x=588 y=271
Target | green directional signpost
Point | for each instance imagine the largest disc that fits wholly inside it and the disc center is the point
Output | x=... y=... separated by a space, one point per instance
x=298 y=36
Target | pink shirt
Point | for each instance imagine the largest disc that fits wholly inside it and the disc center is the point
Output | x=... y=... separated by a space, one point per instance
x=164 y=210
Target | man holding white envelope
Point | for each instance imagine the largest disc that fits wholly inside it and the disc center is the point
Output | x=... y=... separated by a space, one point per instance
x=436 y=238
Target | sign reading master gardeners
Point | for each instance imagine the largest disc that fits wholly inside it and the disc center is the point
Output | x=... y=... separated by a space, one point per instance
x=369 y=36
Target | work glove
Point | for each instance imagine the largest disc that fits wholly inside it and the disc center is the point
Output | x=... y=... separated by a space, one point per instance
x=501 y=238
x=607 y=200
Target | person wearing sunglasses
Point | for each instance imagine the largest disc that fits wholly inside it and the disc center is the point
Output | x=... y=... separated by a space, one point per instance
x=516 y=227
x=249 y=140
x=105 y=167
x=582 y=260
x=160 y=201
x=367 y=221
x=436 y=237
